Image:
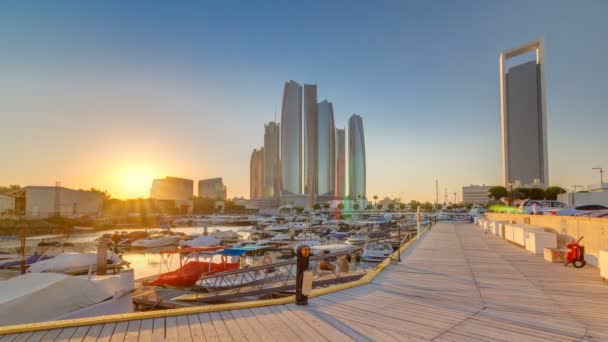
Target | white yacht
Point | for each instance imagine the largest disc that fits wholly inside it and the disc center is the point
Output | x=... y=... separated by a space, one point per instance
x=376 y=251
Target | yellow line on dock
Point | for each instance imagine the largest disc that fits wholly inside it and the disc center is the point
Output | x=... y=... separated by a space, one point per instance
x=368 y=277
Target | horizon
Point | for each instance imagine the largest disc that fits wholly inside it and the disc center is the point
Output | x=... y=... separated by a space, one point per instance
x=112 y=95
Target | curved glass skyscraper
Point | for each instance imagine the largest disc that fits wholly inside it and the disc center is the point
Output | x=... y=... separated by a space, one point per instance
x=291 y=139
x=340 y=163
x=356 y=158
x=326 y=147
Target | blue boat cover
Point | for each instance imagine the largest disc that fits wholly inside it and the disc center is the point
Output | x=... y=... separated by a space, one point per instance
x=238 y=251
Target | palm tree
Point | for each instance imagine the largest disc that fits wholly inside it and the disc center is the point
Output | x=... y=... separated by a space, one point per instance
x=375 y=198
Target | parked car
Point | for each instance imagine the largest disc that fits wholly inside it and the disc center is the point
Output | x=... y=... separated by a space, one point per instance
x=539 y=206
x=596 y=214
x=576 y=210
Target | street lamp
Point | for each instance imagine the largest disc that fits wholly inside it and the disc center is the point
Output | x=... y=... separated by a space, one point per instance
x=510 y=185
x=601 y=176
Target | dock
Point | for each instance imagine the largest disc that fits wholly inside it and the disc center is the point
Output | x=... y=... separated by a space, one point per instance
x=454 y=284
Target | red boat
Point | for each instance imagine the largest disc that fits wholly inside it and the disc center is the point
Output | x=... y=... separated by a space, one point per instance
x=191 y=272
x=187 y=274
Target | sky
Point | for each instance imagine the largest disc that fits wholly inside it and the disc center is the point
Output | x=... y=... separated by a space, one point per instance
x=112 y=94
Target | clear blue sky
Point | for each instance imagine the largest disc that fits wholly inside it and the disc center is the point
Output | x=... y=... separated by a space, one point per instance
x=110 y=94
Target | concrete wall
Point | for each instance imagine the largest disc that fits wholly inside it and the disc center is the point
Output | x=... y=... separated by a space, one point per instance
x=568 y=228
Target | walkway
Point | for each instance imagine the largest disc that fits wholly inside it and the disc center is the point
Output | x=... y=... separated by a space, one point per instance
x=457 y=284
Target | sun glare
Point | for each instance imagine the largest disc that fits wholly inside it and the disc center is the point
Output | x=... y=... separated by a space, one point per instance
x=134 y=181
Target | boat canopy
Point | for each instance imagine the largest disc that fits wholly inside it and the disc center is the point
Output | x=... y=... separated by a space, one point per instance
x=238 y=251
x=192 y=249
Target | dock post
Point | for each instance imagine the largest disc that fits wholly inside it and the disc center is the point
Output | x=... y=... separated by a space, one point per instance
x=302 y=265
x=102 y=258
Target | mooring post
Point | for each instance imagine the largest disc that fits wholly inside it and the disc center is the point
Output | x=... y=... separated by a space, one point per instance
x=102 y=258
x=302 y=265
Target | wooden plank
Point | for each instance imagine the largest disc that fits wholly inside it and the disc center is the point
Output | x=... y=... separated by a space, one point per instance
x=183 y=328
x=145 y=330
x=37 y=336
x=158 y=330
x=171 y=332
x=8 y=338
x=51 y=335
x=93 y=333
x=300 y=329
x=208 y=328
x=23 y=337
x=80 y=333
x=324 y=329
x=106 y=332
x=196 y=331
x=119 y=332
x=65 y=334
x=249 y=318
x=278 y=331
x=220 y=327
x=243 y=323
x=235 y=331
x=133 y=330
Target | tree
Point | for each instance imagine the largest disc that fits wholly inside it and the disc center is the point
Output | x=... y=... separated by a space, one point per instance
x=379 y=206
x=356 y=206
x=326 y=205
x=552 y=192
x=391 y=206
x=340 y=206
x=10 y=188
x=521 y=193
x=316 y=206
x=537 y=194
x=414 y=205
x=402 y=206
x=497 y=192
x=426 y=206
x=375 y=198
x=369 y=207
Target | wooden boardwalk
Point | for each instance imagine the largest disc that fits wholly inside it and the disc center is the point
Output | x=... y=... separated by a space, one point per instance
x=456 y=284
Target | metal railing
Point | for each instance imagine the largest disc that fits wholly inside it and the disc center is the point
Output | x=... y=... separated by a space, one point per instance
x=276 y=277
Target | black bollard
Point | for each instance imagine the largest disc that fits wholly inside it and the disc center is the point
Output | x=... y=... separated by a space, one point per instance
x=302 y=265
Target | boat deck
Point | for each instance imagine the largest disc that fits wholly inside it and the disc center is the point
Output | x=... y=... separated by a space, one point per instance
x=455 y=284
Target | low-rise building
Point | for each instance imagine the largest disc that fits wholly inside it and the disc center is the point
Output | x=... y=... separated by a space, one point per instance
x=172 y=188
x=7 y=204
x=42 y=202
x=212 y=188
x=475 y=194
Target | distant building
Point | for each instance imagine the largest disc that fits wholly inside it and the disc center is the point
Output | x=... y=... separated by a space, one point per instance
x=326 y=150
x=291 y=139
x=7 y=204
x=172 y=188
x=524 y=117
x=42 y=202
x=272 y=141
x=212 y=188
x=311 y=131
x=356 y=158
x=475 y=194
x=340 y=163
x=256 y=174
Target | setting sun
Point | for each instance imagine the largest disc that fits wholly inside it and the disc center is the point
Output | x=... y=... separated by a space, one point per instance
x=134 y=181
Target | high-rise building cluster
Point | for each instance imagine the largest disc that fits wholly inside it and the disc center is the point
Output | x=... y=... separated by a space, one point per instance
x=305 y=154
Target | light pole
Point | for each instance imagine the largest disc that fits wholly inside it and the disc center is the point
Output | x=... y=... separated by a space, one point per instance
x=601 y=176
x=510 y=184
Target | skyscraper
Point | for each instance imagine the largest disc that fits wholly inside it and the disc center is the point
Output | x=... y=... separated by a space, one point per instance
x=524 y=118
x=356 y=158
x=326 y=150
x=256 y=174
x=271 y=160
x=311 y=115
x=340 y=163
x=291 y=139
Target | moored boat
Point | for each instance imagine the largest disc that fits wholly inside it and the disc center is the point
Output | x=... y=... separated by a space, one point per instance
x=376 y=251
